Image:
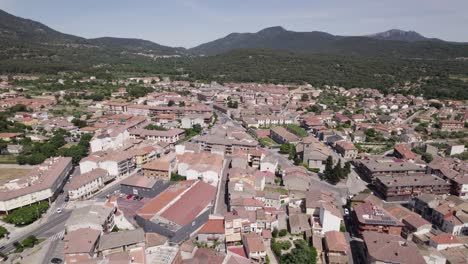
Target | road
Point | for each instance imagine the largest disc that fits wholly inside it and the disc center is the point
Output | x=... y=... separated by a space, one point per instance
x=55 y=224
x=221 y=206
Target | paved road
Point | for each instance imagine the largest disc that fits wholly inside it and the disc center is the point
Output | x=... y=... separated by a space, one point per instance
x=54 y=224
x=221 y=206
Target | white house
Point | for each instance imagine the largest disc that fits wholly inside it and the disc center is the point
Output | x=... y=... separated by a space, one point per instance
x=330 y=217
x=84 y=185
x=269 y=163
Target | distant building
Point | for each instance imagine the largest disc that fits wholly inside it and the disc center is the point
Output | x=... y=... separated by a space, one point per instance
x=369 y=217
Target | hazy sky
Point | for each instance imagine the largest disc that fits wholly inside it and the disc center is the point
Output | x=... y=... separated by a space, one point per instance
x=188 y=23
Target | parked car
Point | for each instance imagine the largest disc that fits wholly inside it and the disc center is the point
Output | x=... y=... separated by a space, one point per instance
x=56 y=261
x=59 y=210
x=346 y=211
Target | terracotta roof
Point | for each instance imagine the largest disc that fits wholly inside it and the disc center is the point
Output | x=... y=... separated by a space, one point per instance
x=392 y=249
x=82 y=240
x=80 y=180
x=445 y=238
x=213 y=226
x=336 y=241
x=191 y=203
x=253 y=243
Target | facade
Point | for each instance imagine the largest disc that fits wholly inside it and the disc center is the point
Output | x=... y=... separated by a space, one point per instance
x=159 y=169
x=282 y=135
x=371 y=168
x=346 y=149
x=396 y=188
x=43 y=183
x=170 y=136
x=451 y=125
x=369 y=217
x=84 y=185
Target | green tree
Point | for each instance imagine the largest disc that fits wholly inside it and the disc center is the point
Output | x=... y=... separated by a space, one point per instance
x=305 y=97
x=170 y=103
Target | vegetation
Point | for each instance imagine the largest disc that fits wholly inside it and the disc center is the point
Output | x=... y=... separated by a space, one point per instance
x=26 y=215
x=191 y=132
x=177 y=177
x=278 y=245
x=297 y=130
x=3 y=232
x=283 y=232
x=288 y=148
x=302 y=253
x=155 y=127
x=333 y=174
x=267 y=142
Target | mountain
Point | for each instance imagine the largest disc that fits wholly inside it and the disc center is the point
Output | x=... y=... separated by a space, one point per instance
x=393 y=43
x=34 y=36
x=400 y=35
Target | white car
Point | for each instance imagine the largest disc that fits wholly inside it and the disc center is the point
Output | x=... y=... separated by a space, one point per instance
x=59 y=210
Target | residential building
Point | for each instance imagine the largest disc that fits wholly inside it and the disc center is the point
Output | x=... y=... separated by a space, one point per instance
x=397 y=188
x=43 y=183
x=84 y=185
x=369 y=217
x=346 y=149
x=254 y=247
x=385 y=248
x=282 y=135
x=95 y=216
x=337 y=248
x=451 y=125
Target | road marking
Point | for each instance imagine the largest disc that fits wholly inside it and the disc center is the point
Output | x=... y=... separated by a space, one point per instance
x=57 y=236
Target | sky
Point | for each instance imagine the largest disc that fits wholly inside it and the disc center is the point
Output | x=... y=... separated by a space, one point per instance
x=187 y=23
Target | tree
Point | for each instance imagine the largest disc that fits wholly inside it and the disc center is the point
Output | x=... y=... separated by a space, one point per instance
x=274 y=233
x=79 y=123
x=283 y=232
x=305 y=97
x=3 y=232
x=328 y=167
x=427 y=157
x=338 y=170
x=347 y=167
x=170 y=103
x=181 y=103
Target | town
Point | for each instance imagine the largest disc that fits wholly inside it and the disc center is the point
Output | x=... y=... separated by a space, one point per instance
x=155 y=170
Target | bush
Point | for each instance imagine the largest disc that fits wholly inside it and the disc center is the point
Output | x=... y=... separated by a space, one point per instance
x=3 y=232
x=27 y=215
x=283 y=232
x=274 y=233
x=30 y=241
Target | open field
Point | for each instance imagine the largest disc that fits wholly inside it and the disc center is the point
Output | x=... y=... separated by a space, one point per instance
x=10 y=174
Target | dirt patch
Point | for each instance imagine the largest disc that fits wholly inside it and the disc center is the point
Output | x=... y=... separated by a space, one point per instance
x=10 y=174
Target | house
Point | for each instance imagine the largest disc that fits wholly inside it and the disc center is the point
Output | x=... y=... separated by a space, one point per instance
x=369 y=217
x=158 y=168
x=444 y=241
x=80 y=245
x=454 y=149
x=296 y=178
x=330 y=217
x=212 y=232
x=254 y=247
x=282 y=135
x=95 y=216
x=403 y=151
x=269 y=163
x=385 y=248
x=299 y=223
x=86 y=184
x=167 y=136
x=116 y=163
x=205 y=166
x=337 y=248
x=122 y=241
x=346 y=149
x=313 y=153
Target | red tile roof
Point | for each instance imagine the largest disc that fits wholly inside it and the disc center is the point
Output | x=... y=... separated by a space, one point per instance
x=213 y=226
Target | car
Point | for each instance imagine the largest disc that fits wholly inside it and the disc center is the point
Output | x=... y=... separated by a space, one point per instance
x=129 y=196
x=59 y=210
x=67 y=198
x=346 y=211
x=56 y=260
